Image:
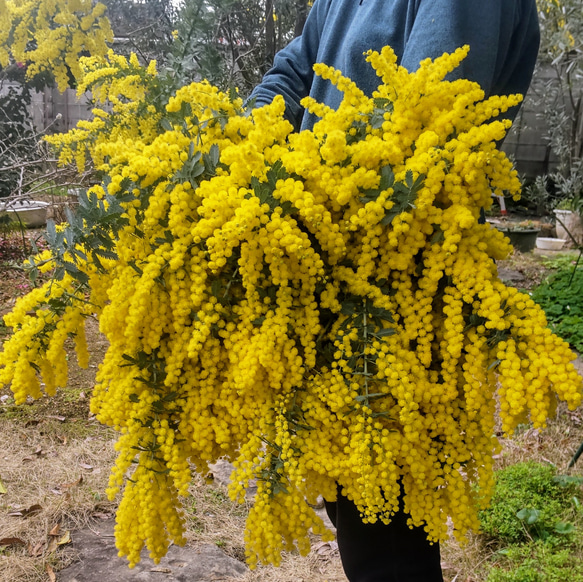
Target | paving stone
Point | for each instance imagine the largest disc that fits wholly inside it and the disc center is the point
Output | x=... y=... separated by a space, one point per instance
x=510 y=274
x=99 y=562
x=222 y=470
x=578 y=363
x=321 y=512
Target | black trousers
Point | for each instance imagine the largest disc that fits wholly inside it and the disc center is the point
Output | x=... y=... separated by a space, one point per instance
x=375 y=552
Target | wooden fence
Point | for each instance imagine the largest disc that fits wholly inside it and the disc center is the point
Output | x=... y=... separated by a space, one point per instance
x=49 y=103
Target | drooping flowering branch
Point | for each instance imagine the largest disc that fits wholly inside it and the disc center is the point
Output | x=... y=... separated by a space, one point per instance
x=321 y=308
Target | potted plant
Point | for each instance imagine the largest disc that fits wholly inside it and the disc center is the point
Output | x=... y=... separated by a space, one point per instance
x=569 y=211
x=522 y=235
x=564 y=195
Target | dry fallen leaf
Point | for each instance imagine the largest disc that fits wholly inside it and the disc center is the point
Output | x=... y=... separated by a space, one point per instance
x=32 y=510
x=12 y=542
x=37 y=549
x=86 y=466
x=325 y=548
x=59 y=418
x=56 y=530
x=162 y=570
x=2 y=487
x=51 y=573
x=52 y=545
x=102 y=515
x=72 y=483
x=65 y=538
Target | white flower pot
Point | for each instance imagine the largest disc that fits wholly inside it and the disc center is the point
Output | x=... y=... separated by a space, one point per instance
x=32 y=213
x=550 y=244
x=572 y=221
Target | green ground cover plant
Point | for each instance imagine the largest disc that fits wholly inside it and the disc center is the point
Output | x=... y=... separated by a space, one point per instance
x=535 y=518
x=561 y=296
x=538 y=562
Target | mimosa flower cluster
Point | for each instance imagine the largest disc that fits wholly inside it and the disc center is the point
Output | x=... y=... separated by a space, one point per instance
x=50 y=35
x=320 y=307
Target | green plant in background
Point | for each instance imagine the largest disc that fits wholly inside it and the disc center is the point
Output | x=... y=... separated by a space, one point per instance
x=565 y=260
x=561 y=296
x=231 y=43
x=570 y=187
x=7 y=225
x=522 y=226
x=537 y=562
x=536 y=521
x=18 y=145
x=557 y=94
x=528 y=503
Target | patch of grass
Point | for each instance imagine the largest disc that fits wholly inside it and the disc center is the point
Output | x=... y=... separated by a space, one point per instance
x=531 y=266
x=48 y=447
x=45 y=466
x=65 y=414
x=216 y=496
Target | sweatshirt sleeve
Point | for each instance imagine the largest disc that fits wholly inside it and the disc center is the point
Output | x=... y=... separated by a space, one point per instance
x=292 y=72
x=503 y=36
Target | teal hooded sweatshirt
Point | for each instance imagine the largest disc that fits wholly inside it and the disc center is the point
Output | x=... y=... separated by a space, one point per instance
x=503 y=36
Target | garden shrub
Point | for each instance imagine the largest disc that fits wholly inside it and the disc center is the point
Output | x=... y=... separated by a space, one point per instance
x=534 y=511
